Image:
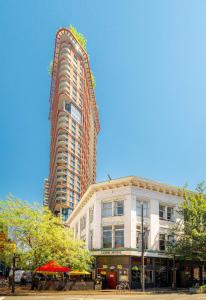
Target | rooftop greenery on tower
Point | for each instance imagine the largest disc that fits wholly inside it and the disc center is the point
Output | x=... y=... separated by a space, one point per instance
x=83 y=42
x=79 y=37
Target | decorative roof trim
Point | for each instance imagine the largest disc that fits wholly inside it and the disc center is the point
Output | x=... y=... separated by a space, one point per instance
x=131 y=181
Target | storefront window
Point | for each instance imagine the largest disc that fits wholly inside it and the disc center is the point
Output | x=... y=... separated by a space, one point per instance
x=107 y=237
x=119 y=236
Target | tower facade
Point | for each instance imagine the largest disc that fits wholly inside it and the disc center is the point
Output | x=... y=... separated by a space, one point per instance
x=74 y=125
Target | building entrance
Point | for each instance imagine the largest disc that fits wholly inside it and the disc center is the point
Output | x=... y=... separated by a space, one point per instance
x=112 y=279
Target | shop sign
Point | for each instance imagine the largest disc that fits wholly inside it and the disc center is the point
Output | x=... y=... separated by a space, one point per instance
x=111 y=252
x=123 y=278
x=105 y=266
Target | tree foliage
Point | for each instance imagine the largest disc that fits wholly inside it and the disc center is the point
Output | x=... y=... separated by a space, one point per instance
x=40 y=236
x=191 y=231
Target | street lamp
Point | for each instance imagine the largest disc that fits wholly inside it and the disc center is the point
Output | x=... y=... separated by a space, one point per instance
x=174 y=281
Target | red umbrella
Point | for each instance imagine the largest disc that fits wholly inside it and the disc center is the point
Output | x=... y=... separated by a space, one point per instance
x=52 y=266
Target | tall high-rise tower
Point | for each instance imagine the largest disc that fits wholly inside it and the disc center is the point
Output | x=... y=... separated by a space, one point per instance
x=74 y=124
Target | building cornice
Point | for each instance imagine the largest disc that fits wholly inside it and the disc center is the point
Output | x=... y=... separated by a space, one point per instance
x=131 y=181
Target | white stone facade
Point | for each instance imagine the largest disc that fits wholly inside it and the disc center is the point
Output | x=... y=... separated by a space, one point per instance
x=161 y=202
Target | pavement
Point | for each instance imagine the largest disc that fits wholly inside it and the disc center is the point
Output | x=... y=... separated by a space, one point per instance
x=163 y=294
x=171 y=296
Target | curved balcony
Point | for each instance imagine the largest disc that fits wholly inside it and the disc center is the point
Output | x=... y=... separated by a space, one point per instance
x=64 y=71
x=61 y=199
x=62 y=134
x=65 y=55
x=62 y=158
x=65 y=64
x=61 y=176
x=64 y=83
x=65 y=48
x=64 y=90
x=62 y=141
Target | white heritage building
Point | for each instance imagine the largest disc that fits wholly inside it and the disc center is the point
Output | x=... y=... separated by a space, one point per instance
x=108 y=219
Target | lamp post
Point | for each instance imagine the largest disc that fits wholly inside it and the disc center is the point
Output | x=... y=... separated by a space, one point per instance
x=174 y=273
x=174 y=281
x=142 y=251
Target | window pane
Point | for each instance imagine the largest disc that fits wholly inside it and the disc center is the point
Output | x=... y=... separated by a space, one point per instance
x=107 y=237
x=107 y=209
x=145 y=209
x=119 y=208
x=170 y=214
x=162 y=212
x=139 y=237
x=139 y=208
x=162 y=242
x=119 y=237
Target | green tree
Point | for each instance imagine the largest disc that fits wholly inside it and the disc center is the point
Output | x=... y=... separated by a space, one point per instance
x=40 y=236
x=190 y=231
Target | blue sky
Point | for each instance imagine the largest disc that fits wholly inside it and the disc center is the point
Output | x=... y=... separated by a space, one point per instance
x=149 y=60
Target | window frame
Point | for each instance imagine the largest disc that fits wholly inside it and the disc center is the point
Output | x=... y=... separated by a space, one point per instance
x=105 y=215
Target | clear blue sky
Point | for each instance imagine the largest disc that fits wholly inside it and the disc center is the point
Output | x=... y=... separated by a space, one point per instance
x=149 y=60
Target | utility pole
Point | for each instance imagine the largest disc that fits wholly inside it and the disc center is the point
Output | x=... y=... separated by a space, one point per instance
x=174 y=273
x=13 y=273
x=142 y=256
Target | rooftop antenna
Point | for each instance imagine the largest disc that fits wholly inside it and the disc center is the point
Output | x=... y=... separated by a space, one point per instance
x=109 y=177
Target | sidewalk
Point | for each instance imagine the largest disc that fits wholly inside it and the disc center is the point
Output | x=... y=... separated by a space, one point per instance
x=26 y=292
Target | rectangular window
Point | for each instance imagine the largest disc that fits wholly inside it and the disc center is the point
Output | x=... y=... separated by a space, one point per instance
x=83 y=223
x=139 y=237
x=77 y=198
x=76 y=230
x=162 y=242
x=171 y=239
x=139 y=208
x=162 y=212
x=91 y=240
x=119 y=237
x=170 y=214
x=107 y=237
x=91 y=214
x=75 y=112
x=119 y=208
x=107 y=209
